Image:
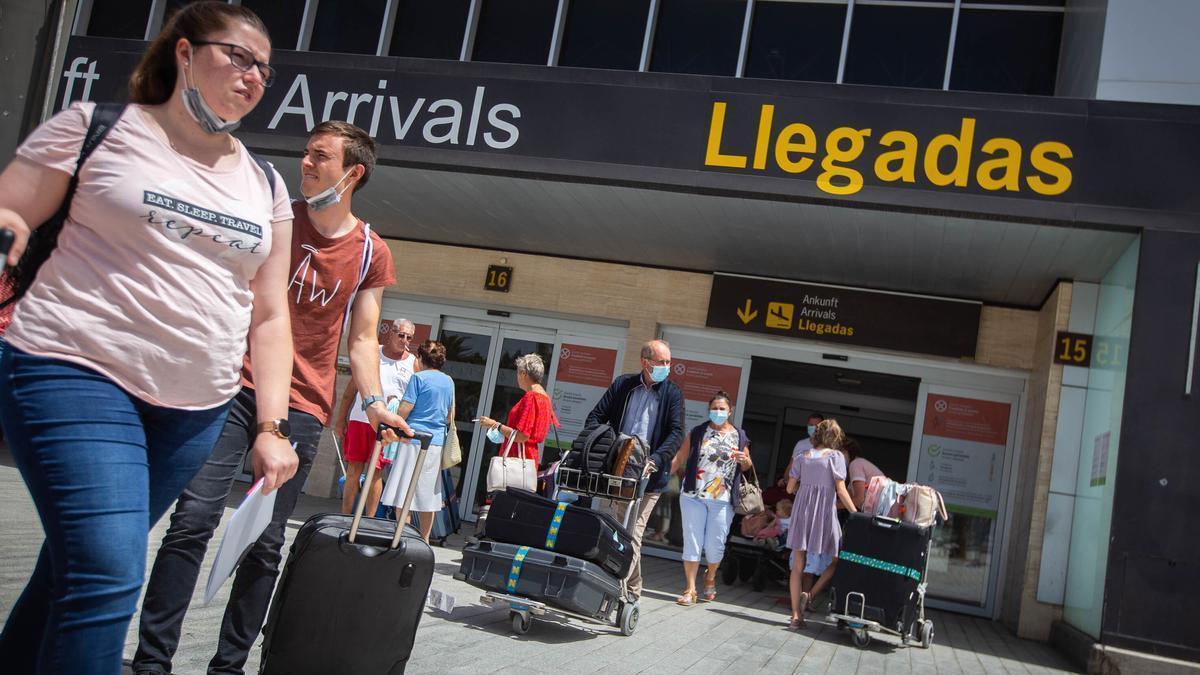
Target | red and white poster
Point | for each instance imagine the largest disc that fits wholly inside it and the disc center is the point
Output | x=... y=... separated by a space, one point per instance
x=963 y=449
x=584 y=372
x=699 y=380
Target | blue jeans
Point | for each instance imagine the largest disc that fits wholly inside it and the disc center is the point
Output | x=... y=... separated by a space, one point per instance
x=705 y=527
x=177 y=566
x=102 y=466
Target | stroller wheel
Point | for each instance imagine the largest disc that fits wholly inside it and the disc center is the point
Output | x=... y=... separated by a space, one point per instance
x=747 y=568
x=759 y=582
x=729 y=570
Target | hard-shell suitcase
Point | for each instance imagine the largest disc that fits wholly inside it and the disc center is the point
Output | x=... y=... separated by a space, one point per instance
x=526 y=519
x=351 y=594
x=556 y=579
x=880 y=567
x=445 y=522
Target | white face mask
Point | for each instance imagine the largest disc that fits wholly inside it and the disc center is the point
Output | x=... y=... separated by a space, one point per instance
x=196 y=106
x=329 y=196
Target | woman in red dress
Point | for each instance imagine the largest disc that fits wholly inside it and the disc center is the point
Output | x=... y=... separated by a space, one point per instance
x=532 y=416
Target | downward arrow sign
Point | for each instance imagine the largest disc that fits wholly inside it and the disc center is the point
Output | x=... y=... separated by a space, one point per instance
x=746 y=315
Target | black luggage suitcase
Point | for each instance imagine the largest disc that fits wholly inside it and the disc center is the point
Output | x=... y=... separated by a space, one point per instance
x=884 y=559
x=556 y=579
x=351 y=594
x=523 y=518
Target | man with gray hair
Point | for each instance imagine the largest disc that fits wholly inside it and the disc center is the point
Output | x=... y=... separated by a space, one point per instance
x=396 y=363
x=648 y=405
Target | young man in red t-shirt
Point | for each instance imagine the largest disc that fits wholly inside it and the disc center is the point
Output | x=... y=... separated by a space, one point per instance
x=339 y=270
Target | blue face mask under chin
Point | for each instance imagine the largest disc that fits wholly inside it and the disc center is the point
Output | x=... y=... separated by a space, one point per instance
x=196 y=106
x=327 y=197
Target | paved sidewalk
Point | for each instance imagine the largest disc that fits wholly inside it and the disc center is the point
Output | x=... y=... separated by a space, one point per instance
x=742 y=632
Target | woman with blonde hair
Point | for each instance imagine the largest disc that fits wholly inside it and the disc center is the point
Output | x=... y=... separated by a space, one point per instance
x=818 y=480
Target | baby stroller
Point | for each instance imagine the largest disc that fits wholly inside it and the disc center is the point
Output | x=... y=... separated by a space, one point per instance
x=755 y=560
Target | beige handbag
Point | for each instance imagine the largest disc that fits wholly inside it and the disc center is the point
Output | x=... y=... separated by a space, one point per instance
x=451 y=448
x=505 y=471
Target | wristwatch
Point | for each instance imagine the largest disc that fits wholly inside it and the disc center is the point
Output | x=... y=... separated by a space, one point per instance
x=279 y=427
x=372 y=400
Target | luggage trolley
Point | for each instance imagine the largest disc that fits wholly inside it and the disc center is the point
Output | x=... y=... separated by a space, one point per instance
x=877 y=586
x=623 y=614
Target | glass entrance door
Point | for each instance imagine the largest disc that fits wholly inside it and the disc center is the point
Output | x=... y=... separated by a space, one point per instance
x=468 y=353
x=480 y=358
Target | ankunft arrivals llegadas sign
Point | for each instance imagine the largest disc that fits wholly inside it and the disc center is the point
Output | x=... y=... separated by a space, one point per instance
x=1030 y=157
x=841 y=315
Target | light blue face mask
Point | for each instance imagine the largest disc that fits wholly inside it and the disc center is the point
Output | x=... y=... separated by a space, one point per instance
x=812 y=429
x=718 y=416
x=659 y=373
x=197 y=107
x=494 y=435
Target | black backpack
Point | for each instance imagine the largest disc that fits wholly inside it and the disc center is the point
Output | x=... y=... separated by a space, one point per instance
x=591 y=450
x=44 y=239
x=596 y=450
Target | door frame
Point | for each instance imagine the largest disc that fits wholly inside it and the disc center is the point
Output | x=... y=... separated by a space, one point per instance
x=939 y=371
x=471 y=474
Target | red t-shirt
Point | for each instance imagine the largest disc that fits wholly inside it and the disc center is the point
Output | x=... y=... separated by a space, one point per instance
x=324 y=274
x=532 y=415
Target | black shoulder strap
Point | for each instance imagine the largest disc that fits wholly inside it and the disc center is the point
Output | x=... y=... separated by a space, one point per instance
x=104 y=118
x=45 y=238
x=266 y=169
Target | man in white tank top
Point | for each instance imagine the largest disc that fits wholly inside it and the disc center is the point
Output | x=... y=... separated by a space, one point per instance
x=396 y=361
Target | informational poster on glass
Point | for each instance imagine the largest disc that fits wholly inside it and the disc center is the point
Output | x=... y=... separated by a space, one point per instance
x=962 y=450
x=699 y=380
x=584 y=372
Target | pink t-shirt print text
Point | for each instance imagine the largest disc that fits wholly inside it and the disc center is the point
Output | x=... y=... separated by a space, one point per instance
x=248 y=235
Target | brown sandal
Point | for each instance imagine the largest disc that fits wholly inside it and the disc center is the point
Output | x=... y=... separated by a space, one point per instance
x=687 y=599
x=710 y=593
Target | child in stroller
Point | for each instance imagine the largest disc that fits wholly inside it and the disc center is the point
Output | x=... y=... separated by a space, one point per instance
x=758 y=553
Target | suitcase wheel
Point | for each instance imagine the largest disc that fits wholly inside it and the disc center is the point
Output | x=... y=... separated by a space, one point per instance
x=926 y=634
x=861 y=637
x=521 y=621
x=630 y=613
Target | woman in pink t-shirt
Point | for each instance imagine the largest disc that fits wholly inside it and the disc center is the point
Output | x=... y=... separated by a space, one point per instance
x=859 y=471
x=126 y=348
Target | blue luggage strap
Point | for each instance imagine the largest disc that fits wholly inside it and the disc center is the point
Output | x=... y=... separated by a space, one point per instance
x=555 y=524
x=515 y=573
x=878 y=564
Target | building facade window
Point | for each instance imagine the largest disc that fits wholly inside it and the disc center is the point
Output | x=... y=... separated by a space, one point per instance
x=1006 y=51
x=348 y=26
x=282 y=19
x=795 y=41
x=1091 y=522
x=515 y=31
x=899 y=45
x=604 y=34
x=698 y=37
x=119 y=19
x=429 y=30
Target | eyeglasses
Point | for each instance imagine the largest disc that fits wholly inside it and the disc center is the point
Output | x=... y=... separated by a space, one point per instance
x=662 y=362
x=406 y=336
x=243 y=60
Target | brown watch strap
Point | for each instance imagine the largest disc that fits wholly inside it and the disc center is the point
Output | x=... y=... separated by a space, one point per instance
x=268 y=427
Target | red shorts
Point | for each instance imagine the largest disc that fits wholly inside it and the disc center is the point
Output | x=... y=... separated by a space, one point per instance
x=359 y=442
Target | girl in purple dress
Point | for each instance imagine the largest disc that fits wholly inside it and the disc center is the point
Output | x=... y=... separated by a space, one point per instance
x=818 y=479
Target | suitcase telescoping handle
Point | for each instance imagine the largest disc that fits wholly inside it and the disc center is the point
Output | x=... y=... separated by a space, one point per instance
x=424 y=439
